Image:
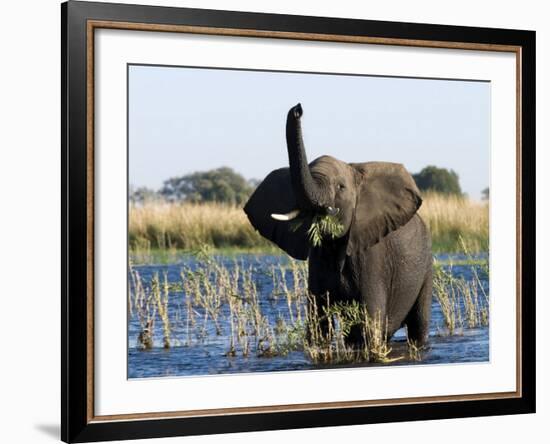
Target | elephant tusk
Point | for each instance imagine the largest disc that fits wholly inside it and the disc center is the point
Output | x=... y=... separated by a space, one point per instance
x=332 y=211
x=285 y=217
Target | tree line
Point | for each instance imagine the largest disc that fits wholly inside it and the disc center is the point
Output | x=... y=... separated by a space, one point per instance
x=224 y=185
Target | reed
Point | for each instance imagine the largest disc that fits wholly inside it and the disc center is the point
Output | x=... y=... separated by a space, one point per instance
x=415 y=351
x=160 y=292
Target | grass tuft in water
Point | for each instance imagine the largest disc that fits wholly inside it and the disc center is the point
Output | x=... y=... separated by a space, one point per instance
x=464 y=302
x=142 y=304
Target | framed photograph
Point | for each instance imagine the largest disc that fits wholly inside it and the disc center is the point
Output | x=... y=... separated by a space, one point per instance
x=275 y=221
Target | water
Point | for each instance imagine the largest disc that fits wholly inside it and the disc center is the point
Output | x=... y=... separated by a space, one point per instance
x=206 y=354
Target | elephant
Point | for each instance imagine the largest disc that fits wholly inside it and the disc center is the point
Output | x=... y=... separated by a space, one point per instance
x=380 y=258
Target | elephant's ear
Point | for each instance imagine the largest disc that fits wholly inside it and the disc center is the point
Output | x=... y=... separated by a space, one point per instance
x=387 y=199
x=274 y=196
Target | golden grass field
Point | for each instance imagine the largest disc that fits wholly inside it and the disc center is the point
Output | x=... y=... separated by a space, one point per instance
x=162 y=225
x=451 y=218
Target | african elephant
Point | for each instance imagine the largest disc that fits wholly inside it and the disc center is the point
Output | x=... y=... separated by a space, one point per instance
x=381 y=257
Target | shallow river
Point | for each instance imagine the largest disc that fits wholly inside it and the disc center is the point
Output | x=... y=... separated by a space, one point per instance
x=208 y=354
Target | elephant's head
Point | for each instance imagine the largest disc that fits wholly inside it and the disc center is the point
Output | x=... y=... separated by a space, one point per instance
x=368 y=200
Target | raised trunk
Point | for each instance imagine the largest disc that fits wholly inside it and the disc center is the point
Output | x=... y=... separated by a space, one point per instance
x=306 y=190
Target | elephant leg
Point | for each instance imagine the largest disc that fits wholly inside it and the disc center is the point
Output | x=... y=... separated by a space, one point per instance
x=317 y=329
x=319 y=298
x=418 y=319
x=356 y=337
x=374 y=303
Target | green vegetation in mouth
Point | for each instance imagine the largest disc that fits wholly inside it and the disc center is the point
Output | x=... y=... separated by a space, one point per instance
x=322 y=226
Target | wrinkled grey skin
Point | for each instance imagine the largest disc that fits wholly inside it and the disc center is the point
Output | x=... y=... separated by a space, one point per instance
x=383 y=258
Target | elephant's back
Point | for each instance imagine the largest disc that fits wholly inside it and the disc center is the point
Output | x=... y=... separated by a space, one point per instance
x=411 y=240
x=409 y=248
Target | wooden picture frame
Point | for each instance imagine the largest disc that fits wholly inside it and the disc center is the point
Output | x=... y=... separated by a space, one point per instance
x=80 y=20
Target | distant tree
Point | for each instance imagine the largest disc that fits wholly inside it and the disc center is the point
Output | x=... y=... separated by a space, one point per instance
x=142 y=194
x=254 y=183
x=432 y=178
x=219 y=185
x=485 y=193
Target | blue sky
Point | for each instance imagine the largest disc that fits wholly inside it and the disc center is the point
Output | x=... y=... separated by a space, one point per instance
x=183 y=120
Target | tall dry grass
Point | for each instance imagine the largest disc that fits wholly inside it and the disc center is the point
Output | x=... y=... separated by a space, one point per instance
x=162 y=225
x=452 y=217
x=191 y=226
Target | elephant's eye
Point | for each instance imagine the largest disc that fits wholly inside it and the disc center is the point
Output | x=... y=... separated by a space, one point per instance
x=341 y=186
